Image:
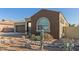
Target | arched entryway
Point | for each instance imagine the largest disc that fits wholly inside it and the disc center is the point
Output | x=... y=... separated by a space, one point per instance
x=43 y=24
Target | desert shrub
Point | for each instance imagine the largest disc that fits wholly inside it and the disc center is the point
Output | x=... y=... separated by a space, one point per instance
x=33 y=37
x=36 y=38
x=48 y=37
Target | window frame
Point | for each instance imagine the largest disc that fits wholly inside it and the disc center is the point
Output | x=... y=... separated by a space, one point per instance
x=41 y=18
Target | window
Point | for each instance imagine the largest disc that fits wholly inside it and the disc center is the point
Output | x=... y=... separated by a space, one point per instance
x=43 y=24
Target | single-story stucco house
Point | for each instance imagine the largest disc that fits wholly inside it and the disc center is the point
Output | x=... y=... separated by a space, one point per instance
x=7 y=26
x=52 y=22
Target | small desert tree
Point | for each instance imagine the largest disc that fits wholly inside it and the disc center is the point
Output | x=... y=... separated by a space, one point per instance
x=72 y=25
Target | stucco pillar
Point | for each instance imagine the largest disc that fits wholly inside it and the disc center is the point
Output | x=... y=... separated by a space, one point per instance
x=26 y=20
x=26 y=27
x=14 y=27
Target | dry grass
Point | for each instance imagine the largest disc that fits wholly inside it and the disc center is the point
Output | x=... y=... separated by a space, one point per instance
x=48 y=37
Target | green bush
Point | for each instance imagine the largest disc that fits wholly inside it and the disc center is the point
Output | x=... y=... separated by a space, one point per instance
x=33 y=37
x=36 y=38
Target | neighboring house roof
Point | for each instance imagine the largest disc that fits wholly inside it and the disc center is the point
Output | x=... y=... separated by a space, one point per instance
x=6 y=23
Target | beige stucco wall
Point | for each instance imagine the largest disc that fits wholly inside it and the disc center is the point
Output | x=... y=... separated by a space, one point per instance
x=20 y=23
x=6 y=24
x=62 y=24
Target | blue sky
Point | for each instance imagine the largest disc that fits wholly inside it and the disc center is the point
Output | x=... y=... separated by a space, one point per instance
x=18 y=14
